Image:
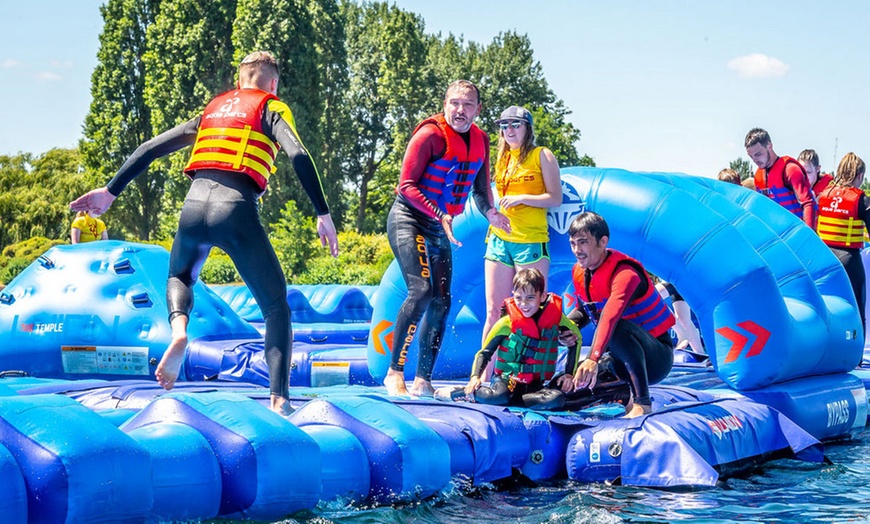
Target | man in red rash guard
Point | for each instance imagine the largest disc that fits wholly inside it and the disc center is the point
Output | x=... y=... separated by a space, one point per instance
x=631 y=320
x=782 y=178
x=446 y=160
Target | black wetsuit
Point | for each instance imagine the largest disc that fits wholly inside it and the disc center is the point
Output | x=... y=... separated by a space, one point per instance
x=854 y=263
x=423 y=252
x=221 y=210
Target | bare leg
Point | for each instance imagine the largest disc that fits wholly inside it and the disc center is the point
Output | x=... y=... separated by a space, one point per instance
x=422 y=388
x=280 y=405
x=498 y=279
x=395 y=383
x=170 y=364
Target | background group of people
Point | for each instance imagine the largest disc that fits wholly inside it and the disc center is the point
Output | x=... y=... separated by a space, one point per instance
x=835 y=206
x=235 y=142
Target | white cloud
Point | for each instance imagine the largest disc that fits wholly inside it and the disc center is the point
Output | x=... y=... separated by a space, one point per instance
x=9 y=63
x=757 y=65
x=48 y=76
x=57 y=64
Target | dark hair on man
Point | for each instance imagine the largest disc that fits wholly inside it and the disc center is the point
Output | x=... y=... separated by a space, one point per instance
x=592 y=223
x=756 y=135
x=529 y=278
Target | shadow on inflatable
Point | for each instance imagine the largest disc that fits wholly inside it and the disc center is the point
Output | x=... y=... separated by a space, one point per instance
x=88 y=436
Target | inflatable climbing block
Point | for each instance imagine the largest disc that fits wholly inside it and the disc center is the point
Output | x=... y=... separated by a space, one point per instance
x=688 y=445
x=269 y=468
x=345 y=475
x=13 y=502
x=77 y=467
x=98 y=310
x=407 y=459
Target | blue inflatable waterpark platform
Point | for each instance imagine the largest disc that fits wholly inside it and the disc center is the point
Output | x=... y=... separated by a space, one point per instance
x=87 y=435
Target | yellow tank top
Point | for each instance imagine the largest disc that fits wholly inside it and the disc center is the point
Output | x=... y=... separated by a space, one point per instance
x=528 y=224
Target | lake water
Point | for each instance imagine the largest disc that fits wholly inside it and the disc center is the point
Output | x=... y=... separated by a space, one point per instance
x=779 y=491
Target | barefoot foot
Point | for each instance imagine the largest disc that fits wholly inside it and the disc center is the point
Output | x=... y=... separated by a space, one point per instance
x=422 y=388
x=170 y=364
x=395 y=384
x=281 y=406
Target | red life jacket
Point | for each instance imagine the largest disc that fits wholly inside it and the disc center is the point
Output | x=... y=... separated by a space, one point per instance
x=231 y=136
x=447 y=181
x=821 y=184
x=774 y=184
x=840 y=224
x=530 y=352
x=648 y=311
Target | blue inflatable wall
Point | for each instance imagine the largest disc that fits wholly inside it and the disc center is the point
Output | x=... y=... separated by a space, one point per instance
x=99 y=310
x=772 y=298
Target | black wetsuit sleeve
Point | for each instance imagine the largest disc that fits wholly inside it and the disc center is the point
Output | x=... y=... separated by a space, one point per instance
x=482 y=358
x=161 y=145
x=864 y=211
x=277 y=126
x=481 y=186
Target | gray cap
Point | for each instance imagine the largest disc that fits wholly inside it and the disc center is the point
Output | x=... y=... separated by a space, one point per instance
x=515 y=113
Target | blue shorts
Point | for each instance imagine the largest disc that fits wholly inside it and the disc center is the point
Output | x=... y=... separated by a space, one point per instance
x=515 y=253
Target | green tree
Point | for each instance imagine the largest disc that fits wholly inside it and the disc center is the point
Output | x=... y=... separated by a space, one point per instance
x=119 y=118
x=307 y=38
x=387 y=95
x=189 y=60
x=35 y=193
x=743 y=168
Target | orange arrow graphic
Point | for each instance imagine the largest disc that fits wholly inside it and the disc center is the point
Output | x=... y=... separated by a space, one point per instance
x=387 y=340
x=739 y=340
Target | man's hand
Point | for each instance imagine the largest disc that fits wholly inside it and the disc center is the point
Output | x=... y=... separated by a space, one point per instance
x=586 y=375
x=326 y=232
x=447 y=224
x=95 y=201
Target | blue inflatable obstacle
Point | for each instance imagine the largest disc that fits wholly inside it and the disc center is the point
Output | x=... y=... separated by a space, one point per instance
x=773 y=301
x=99 y=310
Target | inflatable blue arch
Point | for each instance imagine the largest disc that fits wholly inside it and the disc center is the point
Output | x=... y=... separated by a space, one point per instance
x=770 y=295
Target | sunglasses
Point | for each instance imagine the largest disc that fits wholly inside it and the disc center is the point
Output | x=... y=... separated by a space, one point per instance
x=515 y=124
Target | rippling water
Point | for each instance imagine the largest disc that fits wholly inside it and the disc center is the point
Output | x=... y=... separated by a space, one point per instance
x=780 y=491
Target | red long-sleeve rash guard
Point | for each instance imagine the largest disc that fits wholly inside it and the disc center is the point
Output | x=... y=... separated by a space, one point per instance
x=622 y=289
x=802 y=191
x=426 y=145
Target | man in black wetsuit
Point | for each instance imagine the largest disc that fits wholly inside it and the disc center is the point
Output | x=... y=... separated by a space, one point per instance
x=235 y=143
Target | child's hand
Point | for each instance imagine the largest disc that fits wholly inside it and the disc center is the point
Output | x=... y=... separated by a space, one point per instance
x=567 y=338
x=472 y=386
x=565 y=383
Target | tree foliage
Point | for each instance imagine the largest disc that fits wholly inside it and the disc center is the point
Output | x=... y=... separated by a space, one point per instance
x=743 y=168
x=35 y=193
x=119 y=118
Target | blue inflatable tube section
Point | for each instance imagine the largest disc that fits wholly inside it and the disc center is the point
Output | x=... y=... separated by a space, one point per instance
x=773 y=302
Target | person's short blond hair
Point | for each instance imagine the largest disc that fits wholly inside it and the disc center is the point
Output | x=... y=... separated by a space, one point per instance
x=258 y=68
x=729 y=175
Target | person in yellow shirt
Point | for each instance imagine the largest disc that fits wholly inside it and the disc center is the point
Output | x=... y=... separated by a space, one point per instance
x=86 y=228
x=527 y=181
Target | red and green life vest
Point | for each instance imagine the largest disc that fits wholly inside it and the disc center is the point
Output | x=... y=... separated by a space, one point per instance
x=530 y=352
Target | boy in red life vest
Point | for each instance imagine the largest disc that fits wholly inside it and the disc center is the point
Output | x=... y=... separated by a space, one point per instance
x=235 y=141
x=524 y=343
x=782 y=178
x=844 y=219
x=631 y=319
x=809 y=159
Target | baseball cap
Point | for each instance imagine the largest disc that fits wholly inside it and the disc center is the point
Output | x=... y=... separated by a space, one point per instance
x=515 y=113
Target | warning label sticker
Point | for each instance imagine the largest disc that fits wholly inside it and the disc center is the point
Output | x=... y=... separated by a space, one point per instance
x=105 y=360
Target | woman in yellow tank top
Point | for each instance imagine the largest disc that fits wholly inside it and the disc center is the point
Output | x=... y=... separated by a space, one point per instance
x=528 y=182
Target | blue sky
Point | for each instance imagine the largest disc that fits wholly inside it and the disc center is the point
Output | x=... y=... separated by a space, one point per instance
x=652 y=85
